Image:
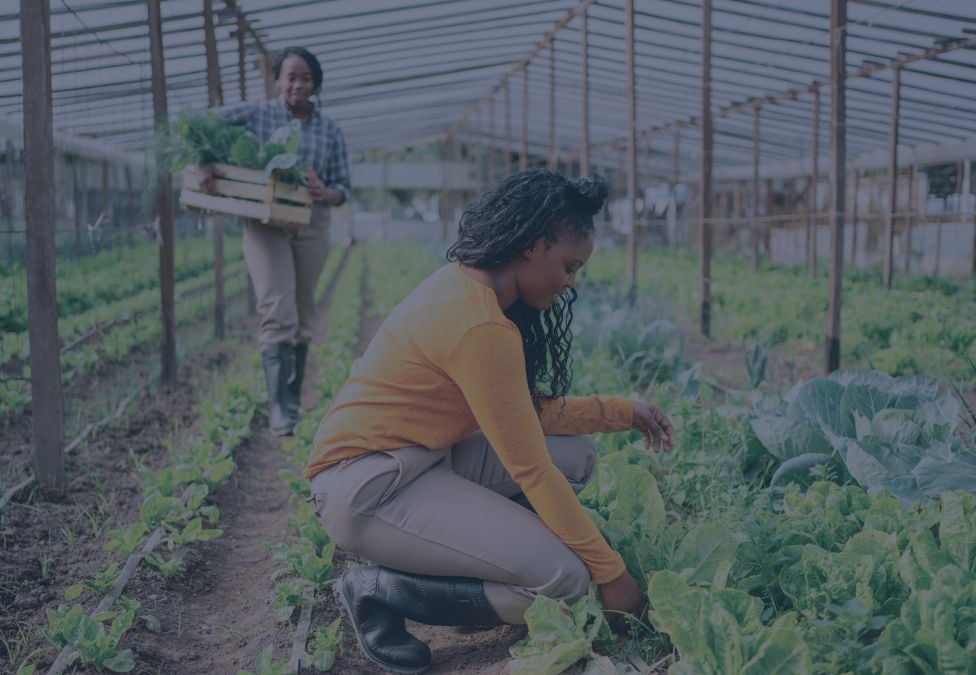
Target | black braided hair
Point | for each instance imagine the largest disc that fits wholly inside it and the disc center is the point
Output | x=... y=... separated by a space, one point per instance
x=507 y=220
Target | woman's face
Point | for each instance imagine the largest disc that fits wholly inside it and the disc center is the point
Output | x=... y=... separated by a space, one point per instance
x=295 y=81
x=549 y=268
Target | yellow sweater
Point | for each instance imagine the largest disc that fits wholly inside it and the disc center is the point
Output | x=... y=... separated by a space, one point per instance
x=447 y=362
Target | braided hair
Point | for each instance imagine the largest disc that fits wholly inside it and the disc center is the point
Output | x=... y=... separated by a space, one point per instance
x=506 y=221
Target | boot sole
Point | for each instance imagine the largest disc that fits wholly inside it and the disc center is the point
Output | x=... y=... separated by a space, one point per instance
x=340 y=591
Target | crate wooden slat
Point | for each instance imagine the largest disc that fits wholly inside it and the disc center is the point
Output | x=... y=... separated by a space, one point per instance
x=247 y=193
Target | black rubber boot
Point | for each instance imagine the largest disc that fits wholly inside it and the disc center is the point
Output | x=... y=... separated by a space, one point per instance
x=278 y=370
x=377 y=600
x=300 y=354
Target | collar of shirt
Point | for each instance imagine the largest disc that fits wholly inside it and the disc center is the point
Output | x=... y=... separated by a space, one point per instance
x=313 y=110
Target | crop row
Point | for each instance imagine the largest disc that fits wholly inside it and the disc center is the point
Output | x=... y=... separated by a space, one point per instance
x=922 y=325
x=89 y=283
x=124 y=338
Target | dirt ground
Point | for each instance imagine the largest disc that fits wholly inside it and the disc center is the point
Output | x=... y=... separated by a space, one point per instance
x=214 y=616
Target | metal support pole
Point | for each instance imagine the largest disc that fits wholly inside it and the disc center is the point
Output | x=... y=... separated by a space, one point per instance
x=838 y=177
x=812 y=223
x=585 y=93
x=705 y=194
x=47 y=406
x=553 y=151
x=524 y=141
x=164 y=200
x=754 y=225
x=631 y=167
x=889 y=262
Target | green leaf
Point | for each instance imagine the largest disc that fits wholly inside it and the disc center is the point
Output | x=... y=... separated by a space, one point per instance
x=701 y=553
x=74 y=591
x=785 y=438
x=123 y=662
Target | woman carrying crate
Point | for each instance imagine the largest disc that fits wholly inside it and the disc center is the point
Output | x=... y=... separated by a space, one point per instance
x=451 y=458
x=285 y=264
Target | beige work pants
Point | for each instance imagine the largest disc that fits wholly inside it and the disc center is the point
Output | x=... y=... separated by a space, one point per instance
x=448 y=513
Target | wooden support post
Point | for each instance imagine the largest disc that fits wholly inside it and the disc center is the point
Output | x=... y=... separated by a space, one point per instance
x=838 y=177
x=553 y=151
x=79 y=202
x=631 y=162
x=215 y=97
x=854 y=214
x=675 y=177
x=889 y=261
x=705 y=192
x=812 y=220
x=585 y=93
x=492 y=151
x=971 y=206
x=104 y=202
x=508 y=127
x=480 y=151
x=165 y=200
x=252 y=301
x=910 y=221
x=241 y=65
x=130 y=207
x=47 y=406
x=524 y=141
x=754 y=225
x=445 y=184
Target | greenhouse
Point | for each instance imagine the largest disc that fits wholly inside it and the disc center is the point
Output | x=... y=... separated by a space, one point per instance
x=311 y=312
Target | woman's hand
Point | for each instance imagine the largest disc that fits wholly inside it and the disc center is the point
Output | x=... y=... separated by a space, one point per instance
x=621 y=596
x=320 y=193
x=654 y=426
x=208 y=174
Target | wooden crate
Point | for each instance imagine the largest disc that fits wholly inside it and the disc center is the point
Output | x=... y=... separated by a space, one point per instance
x=247 y=193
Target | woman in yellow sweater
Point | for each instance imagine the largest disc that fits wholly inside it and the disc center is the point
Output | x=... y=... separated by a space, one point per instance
x=451 y=458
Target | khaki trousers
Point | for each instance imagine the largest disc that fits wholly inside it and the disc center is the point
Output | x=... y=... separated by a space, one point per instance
x=448 y=513
x=285 y=266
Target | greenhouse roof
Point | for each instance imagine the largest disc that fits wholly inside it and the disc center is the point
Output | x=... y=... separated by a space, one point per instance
x=402 y=73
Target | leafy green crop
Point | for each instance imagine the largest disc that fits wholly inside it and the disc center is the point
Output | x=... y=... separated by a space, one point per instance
x=893 y=433
x=207 y=139
x=719 y=631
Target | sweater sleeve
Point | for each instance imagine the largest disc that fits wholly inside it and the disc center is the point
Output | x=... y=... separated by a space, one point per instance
x=585 y=415
x=488 y=365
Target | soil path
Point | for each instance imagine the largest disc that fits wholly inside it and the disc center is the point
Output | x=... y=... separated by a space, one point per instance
x=214 y=616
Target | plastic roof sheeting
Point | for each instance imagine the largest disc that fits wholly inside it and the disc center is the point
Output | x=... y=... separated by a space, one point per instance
x=401 y=73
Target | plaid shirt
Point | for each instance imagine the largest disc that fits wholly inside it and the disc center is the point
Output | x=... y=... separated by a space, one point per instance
x=322 y=146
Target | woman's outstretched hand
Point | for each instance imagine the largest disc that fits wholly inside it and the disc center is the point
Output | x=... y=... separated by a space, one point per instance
x=620 y=597
x=654 y=426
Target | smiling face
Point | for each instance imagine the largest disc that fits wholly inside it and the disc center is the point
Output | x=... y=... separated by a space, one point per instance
x=548 y=268
x=295 y=82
